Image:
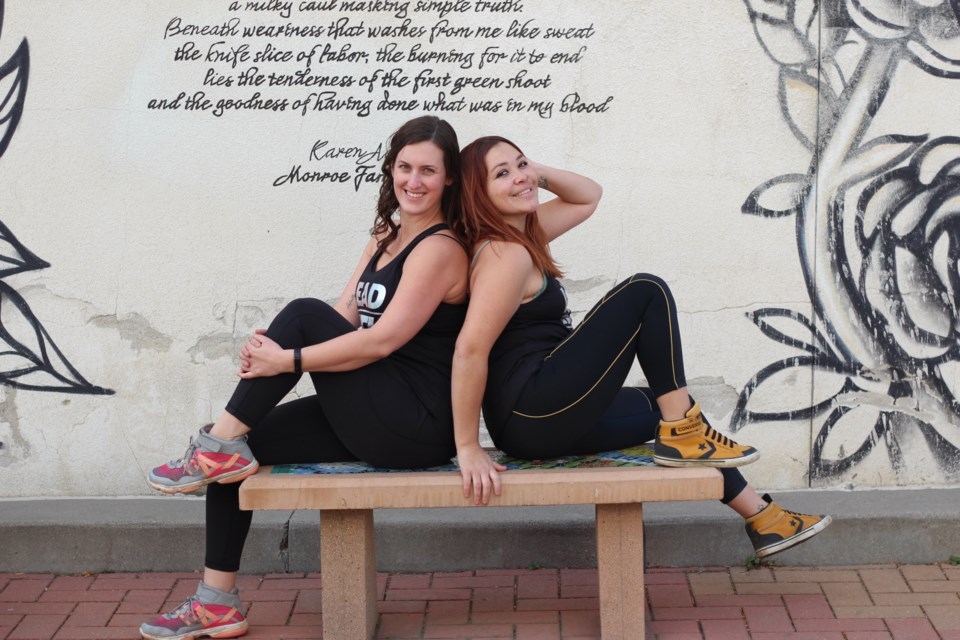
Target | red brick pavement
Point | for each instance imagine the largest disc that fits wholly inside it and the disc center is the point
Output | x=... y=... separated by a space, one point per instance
x=724 y=603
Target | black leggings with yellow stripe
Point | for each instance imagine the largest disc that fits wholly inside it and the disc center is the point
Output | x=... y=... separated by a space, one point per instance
x=576 y=403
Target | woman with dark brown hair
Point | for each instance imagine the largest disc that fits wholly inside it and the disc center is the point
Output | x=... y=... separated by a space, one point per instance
x=548 y=389
x=382 y=394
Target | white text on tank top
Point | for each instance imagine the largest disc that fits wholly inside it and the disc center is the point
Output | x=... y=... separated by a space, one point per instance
x=370 y=297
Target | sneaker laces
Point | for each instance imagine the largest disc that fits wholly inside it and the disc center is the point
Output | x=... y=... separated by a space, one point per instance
x=194 y=611
x=185 y=611
x=189 y=457
x=713 y=434
x=801 y=516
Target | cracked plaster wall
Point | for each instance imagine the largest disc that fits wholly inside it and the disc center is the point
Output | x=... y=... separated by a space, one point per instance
x=168 y=244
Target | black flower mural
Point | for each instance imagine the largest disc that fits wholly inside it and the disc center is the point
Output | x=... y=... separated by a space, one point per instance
x=878 y=234
x=29 y=358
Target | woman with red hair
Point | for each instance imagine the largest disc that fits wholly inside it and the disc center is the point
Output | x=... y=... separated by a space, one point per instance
x=548 y=389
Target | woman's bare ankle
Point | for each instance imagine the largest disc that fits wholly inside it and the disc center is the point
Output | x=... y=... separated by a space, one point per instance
x=227 y=427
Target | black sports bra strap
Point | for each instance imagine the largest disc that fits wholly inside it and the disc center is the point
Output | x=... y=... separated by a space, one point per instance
x=420 y=236
x=429 y=232
x=455 y=239
x=372 y=264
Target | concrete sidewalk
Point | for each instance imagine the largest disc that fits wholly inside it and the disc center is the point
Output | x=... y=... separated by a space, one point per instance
x=97 y=568
x=906 y=602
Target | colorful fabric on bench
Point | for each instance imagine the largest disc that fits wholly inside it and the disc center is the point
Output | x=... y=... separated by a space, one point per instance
x=634 y=456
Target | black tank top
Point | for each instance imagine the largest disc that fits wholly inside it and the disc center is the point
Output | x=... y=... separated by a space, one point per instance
x=425 y=361
x=535 y=330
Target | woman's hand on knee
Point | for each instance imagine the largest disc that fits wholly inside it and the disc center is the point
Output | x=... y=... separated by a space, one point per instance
x=481 y=475
x=261 y=357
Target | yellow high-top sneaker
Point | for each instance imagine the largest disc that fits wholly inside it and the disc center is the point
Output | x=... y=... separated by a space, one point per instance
x=775 y=529
x=691 y=442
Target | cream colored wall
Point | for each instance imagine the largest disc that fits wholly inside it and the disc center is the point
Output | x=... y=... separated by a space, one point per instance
x=168 y=242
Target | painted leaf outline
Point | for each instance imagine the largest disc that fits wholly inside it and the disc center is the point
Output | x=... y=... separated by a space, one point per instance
x=821 y=356
x=742 y=415
x=818 y=346
x=44 y=358
x=752 y=205
x=878 y=155
x=932 y=61
x=946 y=453
x=11 y=103
x=778 y=36
x=821 y=467
x=774 y=9
x=20 y=258
x=798 y=90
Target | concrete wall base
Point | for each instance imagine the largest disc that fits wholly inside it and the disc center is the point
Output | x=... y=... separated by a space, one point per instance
x=910 y=526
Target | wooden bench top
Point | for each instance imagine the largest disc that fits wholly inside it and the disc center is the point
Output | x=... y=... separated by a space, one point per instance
x=526 y=487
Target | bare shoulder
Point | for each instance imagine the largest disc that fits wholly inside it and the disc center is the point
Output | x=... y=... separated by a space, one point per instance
x=371 y=247
x=441 y=243
x=504 y=253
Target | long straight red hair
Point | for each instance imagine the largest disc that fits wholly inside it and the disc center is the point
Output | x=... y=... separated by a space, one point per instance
x=479 y=218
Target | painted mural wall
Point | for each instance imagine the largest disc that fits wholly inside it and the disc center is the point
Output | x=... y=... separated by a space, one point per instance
x=173 y=171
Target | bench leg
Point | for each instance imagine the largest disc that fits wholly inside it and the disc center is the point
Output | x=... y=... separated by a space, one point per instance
x=620 y=564
x=348 y=566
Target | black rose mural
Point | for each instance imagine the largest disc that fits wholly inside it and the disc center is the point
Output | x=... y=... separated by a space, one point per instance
x=29 y=358
x=878 y=235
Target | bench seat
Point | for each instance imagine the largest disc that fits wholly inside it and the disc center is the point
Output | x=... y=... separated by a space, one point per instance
x=348 y=556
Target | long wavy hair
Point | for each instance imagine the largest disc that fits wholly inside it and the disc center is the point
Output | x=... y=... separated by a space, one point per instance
x=481 y=220
x=422 y=129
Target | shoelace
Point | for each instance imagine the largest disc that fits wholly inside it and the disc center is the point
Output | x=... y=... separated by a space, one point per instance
x=185 y=611
x=713 y=434
x=193 y=611
x=188 y=458
x=794 y=514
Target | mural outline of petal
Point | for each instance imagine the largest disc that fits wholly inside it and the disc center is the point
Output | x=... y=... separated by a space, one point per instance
x=47 y=359
x=39 y=359
x=25 y=260
x=11 y=104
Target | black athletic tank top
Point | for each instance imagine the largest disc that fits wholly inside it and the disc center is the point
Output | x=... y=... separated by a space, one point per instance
x=425 y=361
x=535 y=330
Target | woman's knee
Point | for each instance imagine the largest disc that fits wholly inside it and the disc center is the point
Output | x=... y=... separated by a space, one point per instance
x=300 y=306
x=295 y=322
x=649 y=280
x=651 y=287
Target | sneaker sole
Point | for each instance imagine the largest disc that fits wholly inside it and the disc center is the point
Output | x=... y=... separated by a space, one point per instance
x=707 y=462
x=227 y=631
x=226 y=478
x=793 y=540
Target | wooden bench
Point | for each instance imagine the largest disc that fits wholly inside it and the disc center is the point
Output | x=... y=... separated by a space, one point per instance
x=348 y=557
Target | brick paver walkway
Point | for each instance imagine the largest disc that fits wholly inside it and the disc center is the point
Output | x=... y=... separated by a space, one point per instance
x=915 y=602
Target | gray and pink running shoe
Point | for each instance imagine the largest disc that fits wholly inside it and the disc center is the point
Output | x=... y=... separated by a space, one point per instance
x=208 y=459
x=210 y=612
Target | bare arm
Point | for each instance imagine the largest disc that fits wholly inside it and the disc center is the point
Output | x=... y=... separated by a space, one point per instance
x=346 y=304
x=497 y=285
x=432 y=270
x=577 y=199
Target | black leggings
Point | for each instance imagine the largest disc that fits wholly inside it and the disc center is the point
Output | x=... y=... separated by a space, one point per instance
x=576 y=403
x=368 y=414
